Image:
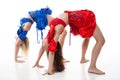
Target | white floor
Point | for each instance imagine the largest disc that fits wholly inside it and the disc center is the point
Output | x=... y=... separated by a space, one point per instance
x=107 y=13
x=108 y=61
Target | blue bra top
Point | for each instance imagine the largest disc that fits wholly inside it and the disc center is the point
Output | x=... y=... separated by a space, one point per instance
x=24 y=20
x=20 y=32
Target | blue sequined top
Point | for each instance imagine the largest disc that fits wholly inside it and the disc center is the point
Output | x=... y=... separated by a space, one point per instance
x=20 y=32
x=40 y=17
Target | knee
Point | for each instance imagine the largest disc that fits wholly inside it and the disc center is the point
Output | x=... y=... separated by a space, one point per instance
x=17 y=44
x=43 y=46
x=65 y=32
x=101 y=42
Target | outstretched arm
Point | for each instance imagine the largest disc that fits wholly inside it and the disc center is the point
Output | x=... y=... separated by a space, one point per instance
x=17 y=46
x=41 y=51
x=62 y=38
x=61 y=41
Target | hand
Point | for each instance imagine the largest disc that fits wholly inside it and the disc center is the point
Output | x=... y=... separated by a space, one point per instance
x=48 y=72
x=38 y=66
x=19 y=61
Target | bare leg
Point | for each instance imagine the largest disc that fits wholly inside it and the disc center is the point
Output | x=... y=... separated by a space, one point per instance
x=17 y=46
x=61 y=41
x=84 y=48
x=42 y=50
x=95 y=52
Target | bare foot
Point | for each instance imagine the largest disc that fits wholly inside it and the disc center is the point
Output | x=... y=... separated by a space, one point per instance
x=38 y=66
x=96 y=71
x=49 y=72
x=19 y=56
x=65 y=61
x=19 y=61
x=84 y=61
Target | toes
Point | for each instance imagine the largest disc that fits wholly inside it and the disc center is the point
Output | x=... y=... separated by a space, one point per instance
x=96 y=71
x=84 y=61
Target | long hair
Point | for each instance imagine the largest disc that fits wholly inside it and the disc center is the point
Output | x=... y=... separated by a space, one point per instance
x=25 y=46
x=58 y=59
x=58 y=63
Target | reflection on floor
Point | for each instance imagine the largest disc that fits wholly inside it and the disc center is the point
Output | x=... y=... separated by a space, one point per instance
x=74 y=70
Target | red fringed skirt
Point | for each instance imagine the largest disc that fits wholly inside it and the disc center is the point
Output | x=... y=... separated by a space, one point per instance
x=82 y=22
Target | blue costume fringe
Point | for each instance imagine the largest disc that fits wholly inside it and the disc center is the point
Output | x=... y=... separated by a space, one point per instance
x=40 y=17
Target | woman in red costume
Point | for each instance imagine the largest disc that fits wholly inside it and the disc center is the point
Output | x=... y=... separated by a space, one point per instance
x=81 y=22
x=46 y=42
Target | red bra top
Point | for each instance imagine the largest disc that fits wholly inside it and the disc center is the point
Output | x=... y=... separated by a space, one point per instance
x=57 y=21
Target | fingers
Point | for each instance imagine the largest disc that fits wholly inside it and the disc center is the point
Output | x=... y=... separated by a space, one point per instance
x=19 y=61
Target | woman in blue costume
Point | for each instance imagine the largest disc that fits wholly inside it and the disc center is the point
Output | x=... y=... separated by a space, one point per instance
x=40 y=18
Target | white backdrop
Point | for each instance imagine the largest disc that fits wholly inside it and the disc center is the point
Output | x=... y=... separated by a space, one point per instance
x=107 y=14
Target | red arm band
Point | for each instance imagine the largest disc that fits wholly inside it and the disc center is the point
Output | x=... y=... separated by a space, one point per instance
x=52 y=46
